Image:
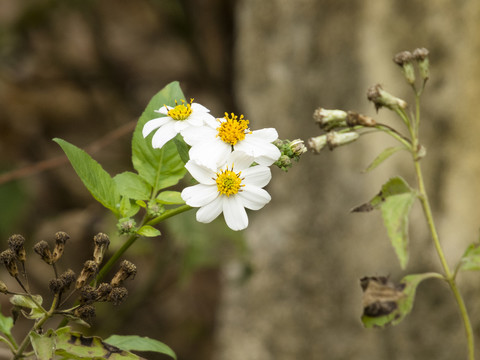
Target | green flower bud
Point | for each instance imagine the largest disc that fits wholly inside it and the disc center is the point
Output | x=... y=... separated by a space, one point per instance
x=380 y=98
x=329 y=119
x=404 y=59
x=421 y=56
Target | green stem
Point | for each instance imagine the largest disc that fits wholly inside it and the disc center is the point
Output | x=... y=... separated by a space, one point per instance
x=449 y=276
x=168 y=214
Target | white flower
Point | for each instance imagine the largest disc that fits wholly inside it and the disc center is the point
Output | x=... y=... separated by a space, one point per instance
x=211 y=144
x=232 y=188
x=177 y=119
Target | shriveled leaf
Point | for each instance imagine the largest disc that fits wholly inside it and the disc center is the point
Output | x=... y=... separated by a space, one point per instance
x=73 y=345
x=170 y=198
x=385 y=154
x=26 y=301
x=131 y=185
x=471 y=258
x=395 y=201
x=148 y=231
x=94 y=177
x=386 y=303
x=138 y=343
x=163 y=167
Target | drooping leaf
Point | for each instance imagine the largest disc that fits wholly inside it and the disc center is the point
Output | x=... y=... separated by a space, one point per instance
x=6 y=324
x=471 y=258
x=148 y=231
x=170 y=198
x=163 y=167
x=138 y=343
x=29 y=302
x=395 y=201
x=132 y=186
x=94 y=177
x=43 y=345
x=73 y=345
x=385 y=154
x=385 y=303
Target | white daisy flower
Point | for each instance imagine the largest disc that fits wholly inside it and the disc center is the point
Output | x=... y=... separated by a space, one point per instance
x=177 y=119
x=211 y=144
x=232 y=188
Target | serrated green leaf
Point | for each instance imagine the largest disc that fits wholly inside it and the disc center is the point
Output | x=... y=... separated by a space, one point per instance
x=148 y=231
x=6 y=324
x=138 y=343
x=43 y=345
x=385 y=154
x=471 y=258
x=132 y=186
x=94 y=177
x=170 y=198
x=73 y=345
x=127 y=209
x=163 y=167
x=397 y=300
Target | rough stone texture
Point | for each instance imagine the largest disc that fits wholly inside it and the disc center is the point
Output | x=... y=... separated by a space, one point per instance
x=303 y=299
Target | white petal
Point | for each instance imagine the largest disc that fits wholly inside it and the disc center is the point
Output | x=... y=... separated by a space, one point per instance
x=240 y=160
x=269 y=134
x=209 y=212
x=234 y=213
x=259 y=148
x=164 y=109
x=164 y=134
x=212 y=154
x=193 y=135
x=199 y=195
x=254 y=198
x=257 y=176
x=196 y=107
x=201 y=173
x=154 y=124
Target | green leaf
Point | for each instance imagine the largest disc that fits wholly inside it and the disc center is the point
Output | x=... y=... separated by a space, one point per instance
x=148 y=231
x=93 y=176
x=6 y=324
x=73 y=345
x=182 y=148
x=471 y=258
x=43 y=345
x=385 y=154
x=128 y=209
x=395 y=201
x=386 y=303
x=163 y=167
x=138 y=343
x=24 y=301
x=170 y=198
x=132 y=186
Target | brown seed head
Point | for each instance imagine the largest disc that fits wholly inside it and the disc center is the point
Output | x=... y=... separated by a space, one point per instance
x=16 y=243
x=117 y=295
x=8 y=257
x=42 y=249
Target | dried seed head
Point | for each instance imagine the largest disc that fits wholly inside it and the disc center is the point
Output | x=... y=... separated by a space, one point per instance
x=127 y=269
x=89 y=269
x=16 y=243
x=56 y=285
x=42 y=249
x=103 y=290
x=3 y=288
x=381 y=98
x=88 y=295
x=85 y=312
x=102 y=242
x=354 y=119
x=117 y=295
x=68 y=277
x=60 y=240
x=8 y=257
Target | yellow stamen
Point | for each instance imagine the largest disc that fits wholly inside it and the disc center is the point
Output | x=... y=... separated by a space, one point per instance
x=181 y=111
x=233 y=129
x=229 y=182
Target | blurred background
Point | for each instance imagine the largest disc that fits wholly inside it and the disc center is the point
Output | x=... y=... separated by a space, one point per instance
x=288 y=286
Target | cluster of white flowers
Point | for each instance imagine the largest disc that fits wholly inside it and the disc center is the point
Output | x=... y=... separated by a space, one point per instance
x=229 y=161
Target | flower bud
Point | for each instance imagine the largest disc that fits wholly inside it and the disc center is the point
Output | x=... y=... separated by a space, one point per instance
x=380 y=98
x=60 y=240
x=329 y=119
x=3 y=288
x=316 y=144
x=127 y=269
x=102 y=242
x=421 y=56
x=355 y=119
x=404 y=59
x=42 y=249
x=335 y=139
x=298 y=147
x=8 y=258
x=16 y=244
x=126 y=226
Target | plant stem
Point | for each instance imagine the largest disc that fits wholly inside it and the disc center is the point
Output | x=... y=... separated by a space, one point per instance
x=448 y=273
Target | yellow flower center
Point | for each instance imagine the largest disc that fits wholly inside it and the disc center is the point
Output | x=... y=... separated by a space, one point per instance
x=229 y=182
x=181 y=111
x=233 y=129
